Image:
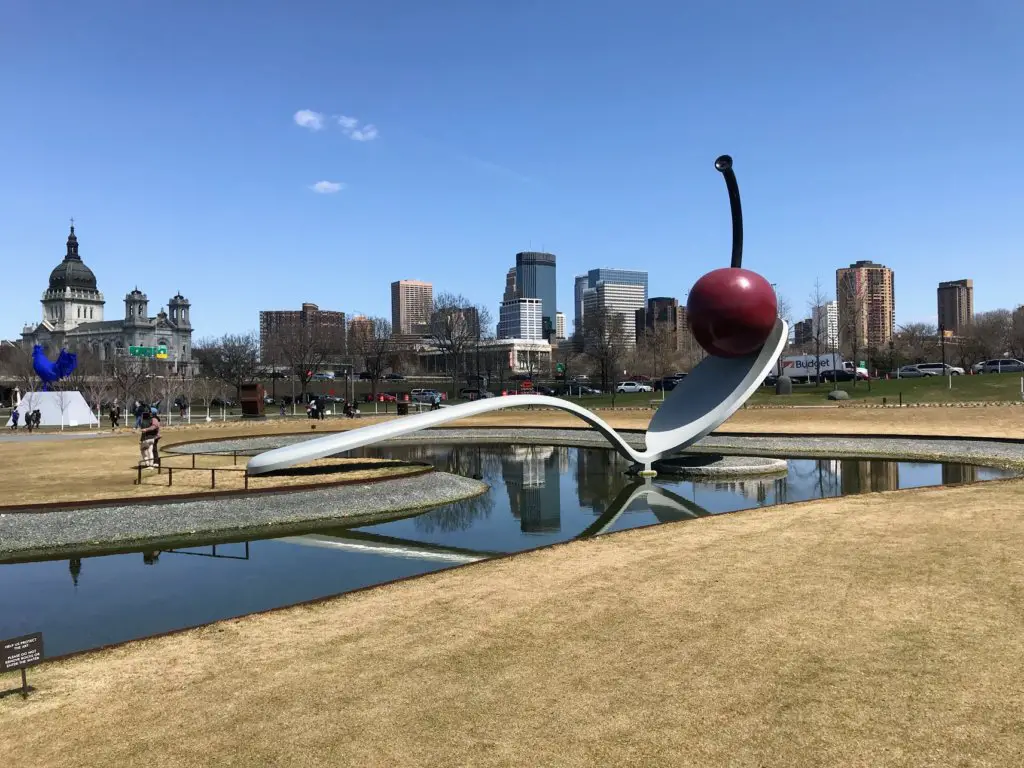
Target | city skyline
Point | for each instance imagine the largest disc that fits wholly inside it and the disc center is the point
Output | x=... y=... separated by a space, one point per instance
x=253 y=187
x=960 y=292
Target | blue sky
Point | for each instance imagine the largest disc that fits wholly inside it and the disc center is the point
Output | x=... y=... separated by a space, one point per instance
x=860 y=130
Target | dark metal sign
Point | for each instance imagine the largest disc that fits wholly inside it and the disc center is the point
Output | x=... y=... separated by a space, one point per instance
x=20 y=653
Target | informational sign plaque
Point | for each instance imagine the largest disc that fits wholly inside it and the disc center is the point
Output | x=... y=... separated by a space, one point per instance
x=20 y=653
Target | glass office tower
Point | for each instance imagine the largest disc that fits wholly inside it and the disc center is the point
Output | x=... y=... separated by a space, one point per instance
x=535 y=279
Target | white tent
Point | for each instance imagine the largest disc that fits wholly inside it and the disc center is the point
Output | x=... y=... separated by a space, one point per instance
x=57 y=409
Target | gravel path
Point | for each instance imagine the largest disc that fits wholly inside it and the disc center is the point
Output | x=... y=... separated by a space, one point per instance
x=99 y=529
x=984 y=452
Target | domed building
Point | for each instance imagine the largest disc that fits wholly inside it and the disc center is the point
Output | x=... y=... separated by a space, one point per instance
x=73 y=317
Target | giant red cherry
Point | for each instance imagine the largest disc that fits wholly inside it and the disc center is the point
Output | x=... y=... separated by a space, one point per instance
x=731 y=312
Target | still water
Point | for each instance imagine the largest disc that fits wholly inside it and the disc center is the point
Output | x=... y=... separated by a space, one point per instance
x=539 y=495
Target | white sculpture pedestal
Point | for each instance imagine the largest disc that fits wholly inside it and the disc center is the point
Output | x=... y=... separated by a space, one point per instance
x=56 y=409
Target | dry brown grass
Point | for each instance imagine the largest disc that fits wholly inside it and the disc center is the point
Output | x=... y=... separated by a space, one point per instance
x=992 y=421
x=101 y=468
x=876 y=630
x=36 y=472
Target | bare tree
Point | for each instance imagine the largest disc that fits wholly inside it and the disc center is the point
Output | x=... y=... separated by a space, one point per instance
x=991 y=334
x=656 y=353
x=88 y=378
x=495 y=362
x=817 y=303
x=206 y=388
x=232 y=358
x=1017 y=333
x=373 y=343
x=17 y=364
x=455 y=327
x=569 y=359
x=916 y=342
x=128 y=375
x=304 y=348
x=853 y=316
x=604 y=341
x=187 y=385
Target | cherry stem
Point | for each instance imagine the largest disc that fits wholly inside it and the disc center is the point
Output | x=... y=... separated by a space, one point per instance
x=724 y=165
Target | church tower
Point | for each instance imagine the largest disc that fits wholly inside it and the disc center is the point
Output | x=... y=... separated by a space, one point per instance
x=71 y=298
x=179 y=307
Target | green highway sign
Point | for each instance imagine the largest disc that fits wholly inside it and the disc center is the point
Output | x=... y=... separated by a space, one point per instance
x=560 y=367
x=157 y=352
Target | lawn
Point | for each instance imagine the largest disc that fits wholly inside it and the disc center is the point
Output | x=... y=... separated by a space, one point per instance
x=873 y=630
x=1004 y=387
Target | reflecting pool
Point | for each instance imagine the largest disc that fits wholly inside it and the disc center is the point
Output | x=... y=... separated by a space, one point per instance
x=539 y=495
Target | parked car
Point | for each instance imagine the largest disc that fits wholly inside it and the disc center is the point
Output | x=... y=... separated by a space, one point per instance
x=474 y=393
x=915 y=372
x=540 y=389
x=424 y=395
x=394 y=376
x=837 y=374
x=624 y=387
x=1002 y=365
x=225 y=402
x=577 y=390
x=668 y=383
x=387 y=397
x=942 y=369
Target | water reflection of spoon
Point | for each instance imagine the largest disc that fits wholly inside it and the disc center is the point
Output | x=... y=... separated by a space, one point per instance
x=667 y=506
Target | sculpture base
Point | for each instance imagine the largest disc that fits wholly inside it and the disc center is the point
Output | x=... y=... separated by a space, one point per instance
x=706 y=466
x=56 y=409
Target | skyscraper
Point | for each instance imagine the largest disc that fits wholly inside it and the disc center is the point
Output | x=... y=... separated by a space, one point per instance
x=560 y=326
x=827 y=316
x=589 y=281
x=867 y=305
x=956 y=305
x=284 y=328
x=662 y=315
x=616 y=299
x=520 y=319
x=411 y=304
x=510 y=285
x=617 y=276
x=535 y=279
x=581 y=283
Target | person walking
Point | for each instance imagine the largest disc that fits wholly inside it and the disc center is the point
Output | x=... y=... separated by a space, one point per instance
x=14 y=418
x=115 y=417
x=150 y=426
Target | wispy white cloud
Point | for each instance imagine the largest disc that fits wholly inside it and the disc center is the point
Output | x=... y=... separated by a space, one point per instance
x=307 y=118
x=327 y=187
x=367 y=133
x=350 y=126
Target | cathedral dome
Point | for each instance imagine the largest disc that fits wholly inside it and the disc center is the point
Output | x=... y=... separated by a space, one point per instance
x=72 y=272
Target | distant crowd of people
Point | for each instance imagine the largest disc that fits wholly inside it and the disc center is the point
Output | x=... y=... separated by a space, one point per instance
x=32 y=419
x=317 y=409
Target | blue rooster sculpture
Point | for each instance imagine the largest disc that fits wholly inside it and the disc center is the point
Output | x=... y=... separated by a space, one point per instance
x=53 y=370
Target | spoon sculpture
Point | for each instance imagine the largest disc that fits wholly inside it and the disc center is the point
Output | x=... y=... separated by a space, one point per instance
x=733 y=314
